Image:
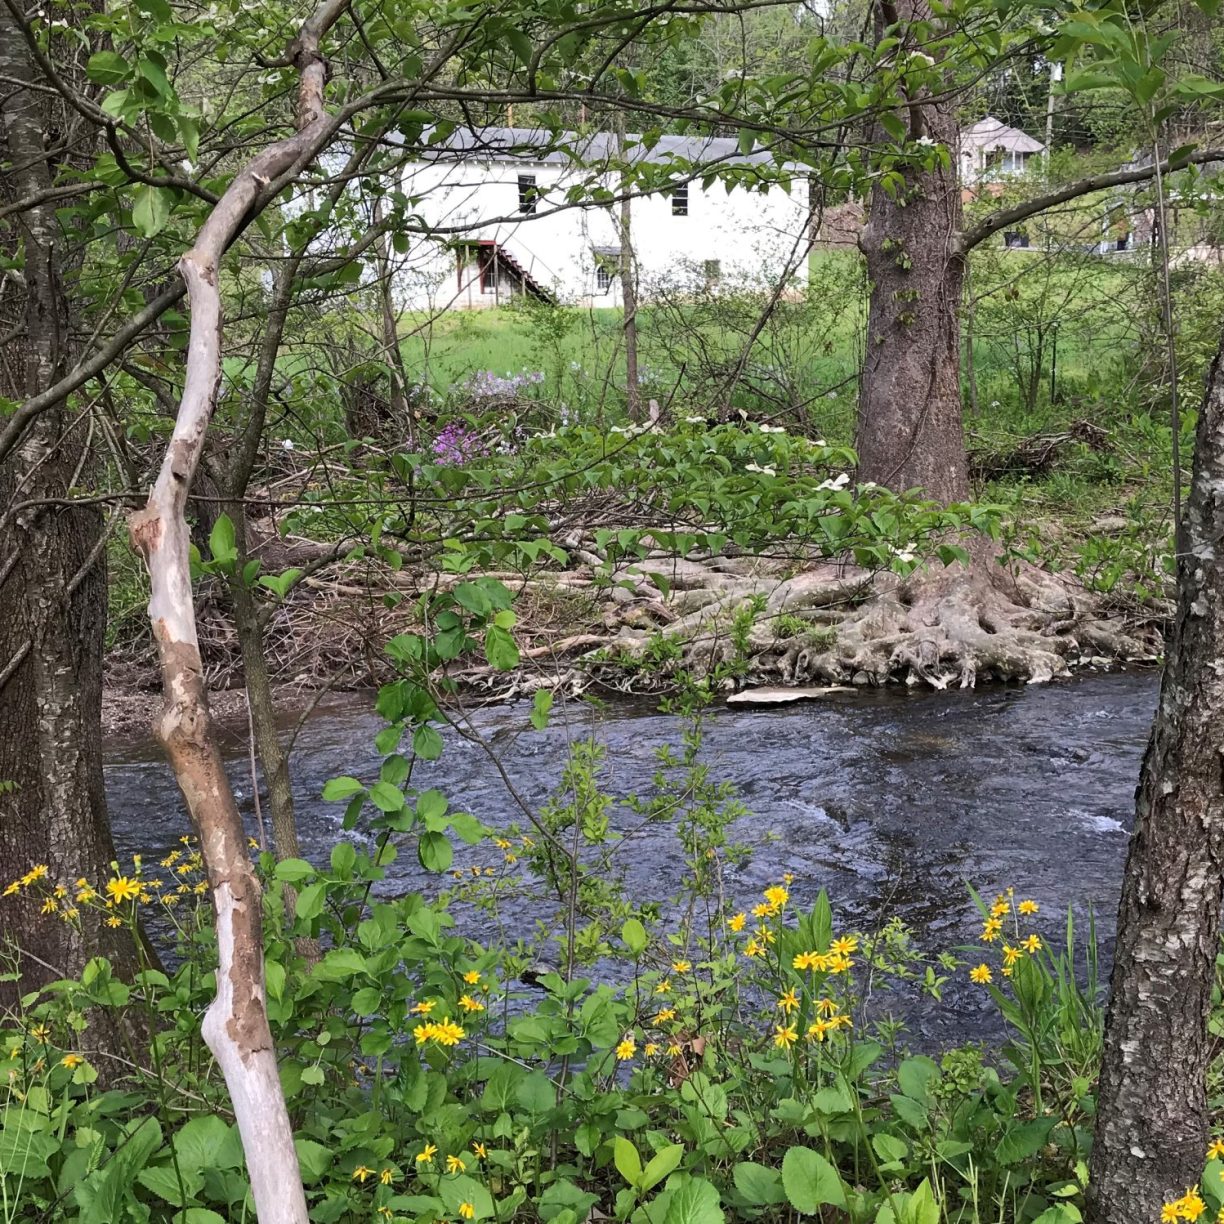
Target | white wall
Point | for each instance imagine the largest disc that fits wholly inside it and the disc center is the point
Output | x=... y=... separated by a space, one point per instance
x=748 y=233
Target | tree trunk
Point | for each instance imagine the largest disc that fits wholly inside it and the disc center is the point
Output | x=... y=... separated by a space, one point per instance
x=1152 y=1103
x=52 y=577
x=235 y=1026
x=909 y=431
x=627 y=267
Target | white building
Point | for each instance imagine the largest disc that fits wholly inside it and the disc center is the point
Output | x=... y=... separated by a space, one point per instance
x=510 y=211
x=990 y=149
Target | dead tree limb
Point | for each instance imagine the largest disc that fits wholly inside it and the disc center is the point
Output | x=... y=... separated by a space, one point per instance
x=236 y=1024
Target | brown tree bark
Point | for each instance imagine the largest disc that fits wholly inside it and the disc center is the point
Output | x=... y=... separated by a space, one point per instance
x=1152 y=1102
x=909 y=432
x=52 y=570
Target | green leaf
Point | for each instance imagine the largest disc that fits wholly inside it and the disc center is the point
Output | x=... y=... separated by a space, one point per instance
x=367 y=1001
x=537 y=1094
x=662 y=1164
x=693 y=1201
x=339 y=965
x=336 y=790
x=435 y=852
x=759 y=1184
x=162 y=1181
x=500 y=648
x=810 y=1181
x=343 y=858
x=628 y=1162
x=221 y=546
x=197 y=1142
x=431 y=805
x=634 y=935
x=313 y=1159
x=310 y=901
x=107 y=68
x=473 y=598
x=150 y=213
x=541 y=705
x=386 y=798
x=427 y=743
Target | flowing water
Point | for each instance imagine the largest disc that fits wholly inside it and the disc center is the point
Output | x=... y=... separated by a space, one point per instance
x=890 y=800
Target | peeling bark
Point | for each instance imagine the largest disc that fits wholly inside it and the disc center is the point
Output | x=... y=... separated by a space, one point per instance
x=1152 y=1115
x=236 y=1024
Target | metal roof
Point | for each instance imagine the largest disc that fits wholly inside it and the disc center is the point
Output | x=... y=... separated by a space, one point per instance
x=589 y=149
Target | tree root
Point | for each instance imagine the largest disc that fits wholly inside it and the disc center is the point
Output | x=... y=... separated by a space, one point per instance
x=935 y=629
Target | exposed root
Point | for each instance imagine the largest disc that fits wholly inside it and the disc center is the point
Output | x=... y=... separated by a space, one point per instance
x=936 y=629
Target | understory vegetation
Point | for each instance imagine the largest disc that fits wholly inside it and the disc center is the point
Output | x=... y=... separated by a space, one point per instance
x=664 y=1060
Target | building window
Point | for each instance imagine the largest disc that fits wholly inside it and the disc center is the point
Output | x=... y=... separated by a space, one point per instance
x=680 y=201
x=528 y=193
x=712 y=270
x=607 y=266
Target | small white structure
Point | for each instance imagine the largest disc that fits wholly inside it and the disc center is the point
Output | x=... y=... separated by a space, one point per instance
x=512 y=211
x=990 y=149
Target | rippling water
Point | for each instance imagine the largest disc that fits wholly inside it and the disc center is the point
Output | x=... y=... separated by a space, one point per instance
x=889 y=800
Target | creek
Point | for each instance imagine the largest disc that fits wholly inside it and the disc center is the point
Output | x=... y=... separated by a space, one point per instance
x=890 y=800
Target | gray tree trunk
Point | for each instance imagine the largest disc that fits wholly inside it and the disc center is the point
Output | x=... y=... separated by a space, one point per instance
x=1152 y=1102
x=909 y=433
x=52 y=573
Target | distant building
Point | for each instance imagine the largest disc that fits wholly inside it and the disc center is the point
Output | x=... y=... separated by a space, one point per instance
x=989 y=150
x=509 y=213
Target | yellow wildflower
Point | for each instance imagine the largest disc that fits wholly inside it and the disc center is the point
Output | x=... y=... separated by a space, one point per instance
x=1010 y=955
x=471 y=977
x=480 y=1150
x=1032 y=943
x=626 y=1049
x=777 y=896
x=982 y=975
x=448 y=1033
x=15 y=886
x=754 y=947
x=455 y=1165
x=762 y=910
x=114 y=921
x=663 y=1015
x=122 y=888
x=470 y=1005
x=785 y=1036
x=37 y=872
x=844 y=946
x=789 y=1002
x=681 y=966
x=424 y=1007
x=991 y=929
x=652 y=1048
x=426 y=1154
x=663 y=987
x=71 y=1060
x=1216 y=1150
x=49 y=906
x=385 y=1177
x=360 y=1173
x=467 y=1211
x=826 y=1007
x=1028 y=907
x=736 y=921
x=818 y=1030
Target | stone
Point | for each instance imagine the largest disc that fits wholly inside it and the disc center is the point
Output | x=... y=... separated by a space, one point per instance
x=776 y=695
